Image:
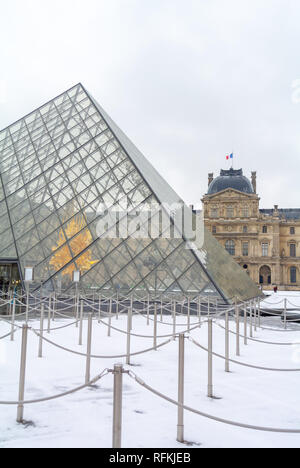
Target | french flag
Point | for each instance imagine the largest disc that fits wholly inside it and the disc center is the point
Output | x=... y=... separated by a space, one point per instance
x=229 y=157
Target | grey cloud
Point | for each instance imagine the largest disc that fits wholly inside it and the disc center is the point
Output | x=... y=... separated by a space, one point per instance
x=188 y=81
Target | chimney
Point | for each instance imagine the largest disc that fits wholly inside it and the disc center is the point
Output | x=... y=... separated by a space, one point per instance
x=210 y=178
x=254 y=178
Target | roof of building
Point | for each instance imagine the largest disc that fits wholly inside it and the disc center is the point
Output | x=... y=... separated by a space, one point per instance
x=288 y=214
x=231 y=179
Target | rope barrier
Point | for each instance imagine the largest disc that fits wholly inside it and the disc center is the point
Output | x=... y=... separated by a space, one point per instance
x=259 y=341
x=271 y=369
x=9 y=334
x=101 y=357
x=139 y=381
x=55 y=397
x=149 y=336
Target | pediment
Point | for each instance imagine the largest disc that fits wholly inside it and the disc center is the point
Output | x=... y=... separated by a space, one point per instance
x=230 y=193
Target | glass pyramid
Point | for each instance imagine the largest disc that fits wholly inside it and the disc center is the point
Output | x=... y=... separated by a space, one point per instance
x=57 y=165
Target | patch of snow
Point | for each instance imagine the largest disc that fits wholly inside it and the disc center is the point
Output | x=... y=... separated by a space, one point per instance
x=84 y=419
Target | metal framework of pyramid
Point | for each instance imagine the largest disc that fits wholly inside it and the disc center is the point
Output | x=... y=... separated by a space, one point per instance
x=56 y=165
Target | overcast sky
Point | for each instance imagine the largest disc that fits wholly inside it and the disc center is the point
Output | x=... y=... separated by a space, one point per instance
x=188 y=81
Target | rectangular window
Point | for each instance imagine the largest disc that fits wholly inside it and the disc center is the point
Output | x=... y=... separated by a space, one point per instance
x=245 y=249
x=265 y=230
x=214 y=213
x=265 y=250
x=245 y=212
x=292 y=250
x=230 y=212
x=293 y=275
x=292 y=231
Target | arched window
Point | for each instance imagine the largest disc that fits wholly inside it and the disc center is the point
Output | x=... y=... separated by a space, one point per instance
x=293 y=275
x=230 y=247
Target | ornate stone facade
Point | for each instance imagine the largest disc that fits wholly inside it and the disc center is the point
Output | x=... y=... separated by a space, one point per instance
x=266 y=243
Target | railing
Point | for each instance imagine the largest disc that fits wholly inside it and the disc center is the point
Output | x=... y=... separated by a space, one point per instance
x=193 y=313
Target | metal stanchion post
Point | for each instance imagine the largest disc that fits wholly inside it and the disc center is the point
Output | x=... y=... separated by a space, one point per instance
x=285 y=313
x=27 y=304
x=255 y=316
x=128 y=336
x=99 y=309
x=259 y=314
x=210 y=359
x=251 y=321
x=245 y=326
x=227 y=342
x=12 y=336
x=77 y=309
x=81 y=323
x=189 y=314
x=174 y=319
x=75 y=301
x=161 y=310
x=20 y=411
x=10 y=301
x=148 y=311
x=131 y=315
x=180 y=424
x=109 y=318
x=237 y=318
x=54 y=307
x=199 y=311
x=117 y=407
x=117 y=307
x=49 y=315
x=89 y=349
x=155 y=327
x=40 y=355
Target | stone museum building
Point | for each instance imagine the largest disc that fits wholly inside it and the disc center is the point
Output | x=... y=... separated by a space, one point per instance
x=264 y=242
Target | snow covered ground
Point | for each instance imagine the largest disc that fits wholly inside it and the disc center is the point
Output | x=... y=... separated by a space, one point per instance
x=84 y=419
x=277 y=300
